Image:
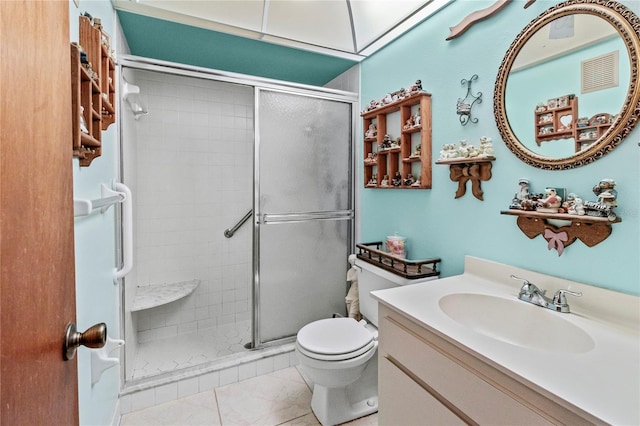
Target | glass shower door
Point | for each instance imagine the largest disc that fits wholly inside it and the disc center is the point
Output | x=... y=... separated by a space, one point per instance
x=304 y=211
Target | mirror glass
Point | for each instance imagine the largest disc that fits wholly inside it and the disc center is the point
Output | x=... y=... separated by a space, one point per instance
x=550 y=66
x=566 y=90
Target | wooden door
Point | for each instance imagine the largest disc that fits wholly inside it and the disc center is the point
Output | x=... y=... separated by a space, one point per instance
x=37 y=289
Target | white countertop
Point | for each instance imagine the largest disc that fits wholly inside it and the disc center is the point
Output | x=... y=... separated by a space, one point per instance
x=604 y=381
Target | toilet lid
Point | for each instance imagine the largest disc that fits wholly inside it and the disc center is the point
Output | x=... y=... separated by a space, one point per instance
x=334 y=336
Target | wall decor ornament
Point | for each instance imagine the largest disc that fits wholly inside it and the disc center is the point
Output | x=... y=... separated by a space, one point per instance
x=468 y=163
x=464 y=106
x=561 y=220
x=477 y=16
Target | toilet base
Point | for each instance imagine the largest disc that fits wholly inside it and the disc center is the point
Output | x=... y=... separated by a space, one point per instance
x=333 y=406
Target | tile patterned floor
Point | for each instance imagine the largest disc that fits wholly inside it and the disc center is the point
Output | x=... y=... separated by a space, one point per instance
x=187 y=350
x=278 y=398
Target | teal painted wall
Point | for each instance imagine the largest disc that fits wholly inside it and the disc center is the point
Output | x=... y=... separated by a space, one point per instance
x=95 y=248
x=436 y=224
x=170 y=41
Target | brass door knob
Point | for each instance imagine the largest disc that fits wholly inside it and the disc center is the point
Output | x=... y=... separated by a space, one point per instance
x=94 y=337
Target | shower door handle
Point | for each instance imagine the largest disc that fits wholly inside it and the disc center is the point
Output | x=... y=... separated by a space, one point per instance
x=94 y=337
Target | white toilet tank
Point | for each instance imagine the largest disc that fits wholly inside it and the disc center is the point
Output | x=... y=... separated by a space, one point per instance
x=371 y=278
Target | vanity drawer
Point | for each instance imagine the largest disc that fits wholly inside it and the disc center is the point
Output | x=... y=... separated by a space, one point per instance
x=402 y=401
x=457 y=385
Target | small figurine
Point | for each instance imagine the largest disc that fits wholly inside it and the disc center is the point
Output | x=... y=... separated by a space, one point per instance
x=449 y=150
x=416 y=184
x=605 y=190
x=372 y=105
x=386 y=142
x=371 y=132
x=409 y=123
x=373 y=181
x=372 y=158
x=551 y=203
x=607 y=200
x=417 y=118
x=521 y=194
x=472 y=151
x=83 y=124
x=397 y=179
x=417 y=152
x=409 y=180
x=395 y=143
x=576 y=207
x=568 y=203
x=416 y=87
x=486 y=147
x=385 y=181
x=463 y=150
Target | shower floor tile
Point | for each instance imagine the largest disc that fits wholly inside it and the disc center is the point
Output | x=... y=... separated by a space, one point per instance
x=188 y=350
x=278 y=398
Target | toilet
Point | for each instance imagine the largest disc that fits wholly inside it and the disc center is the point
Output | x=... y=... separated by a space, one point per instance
x=339 y=355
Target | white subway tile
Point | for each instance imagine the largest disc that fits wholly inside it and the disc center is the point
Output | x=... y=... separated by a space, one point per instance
x=209 y=381
x=166 y=393
x=228 y=376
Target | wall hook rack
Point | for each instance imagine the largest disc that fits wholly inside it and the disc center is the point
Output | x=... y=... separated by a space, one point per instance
x=464 y=106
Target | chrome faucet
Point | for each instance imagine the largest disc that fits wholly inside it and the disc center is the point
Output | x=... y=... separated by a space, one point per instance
x=529 y=292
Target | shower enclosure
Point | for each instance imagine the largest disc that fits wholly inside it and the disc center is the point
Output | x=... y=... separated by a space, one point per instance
x=213 y=148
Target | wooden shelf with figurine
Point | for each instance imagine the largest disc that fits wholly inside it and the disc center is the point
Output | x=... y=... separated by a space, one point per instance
x=468 y=163
x=588 y=131
x=563 y=219
x=389 y=162
x=93 y=92
x=556 y=119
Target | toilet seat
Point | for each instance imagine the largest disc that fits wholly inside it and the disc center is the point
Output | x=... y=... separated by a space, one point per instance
x=335 y=339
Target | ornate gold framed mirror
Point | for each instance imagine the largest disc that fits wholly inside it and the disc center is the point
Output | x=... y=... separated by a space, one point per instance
x=566 y=94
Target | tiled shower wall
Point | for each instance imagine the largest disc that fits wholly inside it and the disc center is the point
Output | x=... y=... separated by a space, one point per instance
x=194 y=179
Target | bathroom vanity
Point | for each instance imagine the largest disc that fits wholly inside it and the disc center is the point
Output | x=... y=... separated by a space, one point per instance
x=465 y=350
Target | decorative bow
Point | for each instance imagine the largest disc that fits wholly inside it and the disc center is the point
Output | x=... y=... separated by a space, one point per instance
x=461 y=173
x=556 y=240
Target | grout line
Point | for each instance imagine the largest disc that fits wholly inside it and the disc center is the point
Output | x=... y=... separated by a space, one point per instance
x=215 y=395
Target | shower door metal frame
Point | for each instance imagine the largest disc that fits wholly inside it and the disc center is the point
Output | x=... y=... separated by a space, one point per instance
x=258 y=83
x=259 y=219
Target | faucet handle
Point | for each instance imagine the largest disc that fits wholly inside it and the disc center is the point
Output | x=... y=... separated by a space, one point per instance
x=559 y=298
x=528 y=287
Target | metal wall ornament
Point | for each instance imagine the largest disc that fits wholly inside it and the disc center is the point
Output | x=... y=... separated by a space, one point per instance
x=464 y=106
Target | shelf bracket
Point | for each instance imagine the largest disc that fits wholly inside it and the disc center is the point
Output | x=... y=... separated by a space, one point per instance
x=560 y=231
x=473 y=171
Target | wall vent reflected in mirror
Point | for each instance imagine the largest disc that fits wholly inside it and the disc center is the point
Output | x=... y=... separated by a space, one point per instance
x=600 y=72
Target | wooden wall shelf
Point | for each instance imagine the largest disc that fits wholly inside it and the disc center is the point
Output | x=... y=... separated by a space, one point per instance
x=588 y=229
x=398 y=160
x=594 y=130
x=93 y=94
x=475 y=169
x=549 y=123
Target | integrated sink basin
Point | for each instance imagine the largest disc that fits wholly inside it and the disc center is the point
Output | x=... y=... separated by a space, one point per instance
x=515 y=322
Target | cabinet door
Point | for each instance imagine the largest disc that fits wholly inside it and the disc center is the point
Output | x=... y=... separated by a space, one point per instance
x=404 y=402
x=473 y=395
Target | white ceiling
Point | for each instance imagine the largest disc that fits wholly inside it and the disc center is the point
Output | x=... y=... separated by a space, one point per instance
x=351 y=29
x=585 y=30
